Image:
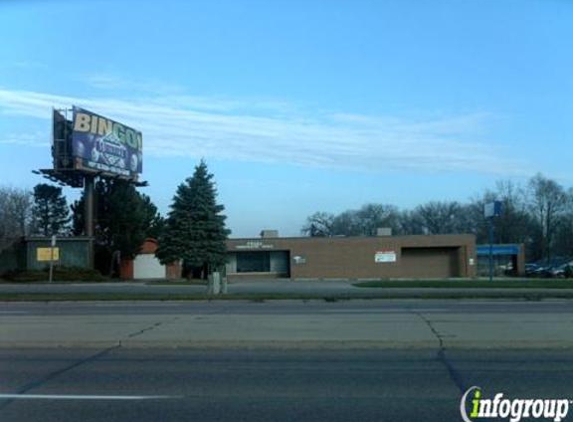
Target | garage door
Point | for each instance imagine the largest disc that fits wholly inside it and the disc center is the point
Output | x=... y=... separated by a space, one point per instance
x=148 y=266
x=430 y=262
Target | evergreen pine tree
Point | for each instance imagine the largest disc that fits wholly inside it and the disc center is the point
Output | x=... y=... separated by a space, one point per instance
x=195 y=229
x=50 y=214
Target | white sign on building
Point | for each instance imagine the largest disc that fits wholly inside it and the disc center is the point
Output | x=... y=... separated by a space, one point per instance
x=385 y=257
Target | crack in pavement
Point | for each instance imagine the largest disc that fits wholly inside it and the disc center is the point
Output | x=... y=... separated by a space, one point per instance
x=38 y=383
x=454 y=375
x=145 y=330
x=52 y=375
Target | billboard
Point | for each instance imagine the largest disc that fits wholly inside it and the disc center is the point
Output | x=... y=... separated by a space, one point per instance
x=103 y=145
x=62 y=145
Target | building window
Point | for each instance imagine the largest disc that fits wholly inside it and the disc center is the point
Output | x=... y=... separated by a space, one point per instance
x=253 y=262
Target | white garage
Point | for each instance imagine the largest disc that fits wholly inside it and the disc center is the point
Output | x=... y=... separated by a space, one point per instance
x=147 y=266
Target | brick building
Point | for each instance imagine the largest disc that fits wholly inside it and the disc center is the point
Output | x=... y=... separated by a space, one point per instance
x=432 y=256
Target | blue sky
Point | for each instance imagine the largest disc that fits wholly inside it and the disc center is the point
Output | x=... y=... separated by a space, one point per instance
x=299 y=106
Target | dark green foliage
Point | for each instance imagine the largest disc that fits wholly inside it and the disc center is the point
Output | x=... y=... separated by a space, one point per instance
x=195 y=229
x=50 y=214
x=124 y=218
x=154 y=221
x=125 y=221
x=78 y=217
x=60 y=274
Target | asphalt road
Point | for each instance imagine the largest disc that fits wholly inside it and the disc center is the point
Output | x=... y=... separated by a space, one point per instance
x=352 y=324
x=116 y=385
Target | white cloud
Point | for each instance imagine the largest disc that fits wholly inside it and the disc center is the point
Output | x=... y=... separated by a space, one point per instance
x=180 y=125
x=37 y=139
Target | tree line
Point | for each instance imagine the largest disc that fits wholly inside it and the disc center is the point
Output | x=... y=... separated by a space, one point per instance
x=194 y=230
x=538 y=213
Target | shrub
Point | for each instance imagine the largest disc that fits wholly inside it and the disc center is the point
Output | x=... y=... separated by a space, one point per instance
x=60 y=274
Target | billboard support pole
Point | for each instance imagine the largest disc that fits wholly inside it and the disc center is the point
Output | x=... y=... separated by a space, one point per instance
x=89 y=204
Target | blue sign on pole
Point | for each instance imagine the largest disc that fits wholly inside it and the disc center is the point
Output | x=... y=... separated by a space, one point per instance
x=492 y=209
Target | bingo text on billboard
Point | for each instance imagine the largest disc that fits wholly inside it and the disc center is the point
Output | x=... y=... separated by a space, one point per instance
x=105 y=145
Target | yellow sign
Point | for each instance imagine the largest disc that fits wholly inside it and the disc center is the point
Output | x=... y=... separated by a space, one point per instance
x=45 y=254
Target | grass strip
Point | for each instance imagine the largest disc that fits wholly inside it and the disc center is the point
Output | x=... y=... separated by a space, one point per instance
x=471 y=284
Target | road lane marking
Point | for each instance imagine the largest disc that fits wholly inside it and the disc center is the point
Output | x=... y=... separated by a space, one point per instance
x=80 y=397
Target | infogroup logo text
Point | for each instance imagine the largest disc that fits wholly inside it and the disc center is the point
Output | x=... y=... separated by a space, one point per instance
x=512 y=409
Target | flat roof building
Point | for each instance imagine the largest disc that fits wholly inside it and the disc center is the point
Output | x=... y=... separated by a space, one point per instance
x=425 y=256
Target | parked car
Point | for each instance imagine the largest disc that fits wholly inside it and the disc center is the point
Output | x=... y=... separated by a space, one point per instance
x=562 y=271
x=556 y=268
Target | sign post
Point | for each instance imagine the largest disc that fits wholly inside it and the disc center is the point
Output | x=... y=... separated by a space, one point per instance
x=490 y=211
x=52 y=246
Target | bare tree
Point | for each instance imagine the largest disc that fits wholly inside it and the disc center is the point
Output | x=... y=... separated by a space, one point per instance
x=514 y=225
x=375 y=216
x=547 y=204
x=438 y=217
x=538 y=215
x=319 y=224
x=563 y=241
x=347 y=223
x=409 y=223
x=366 y=220
x=15 y=214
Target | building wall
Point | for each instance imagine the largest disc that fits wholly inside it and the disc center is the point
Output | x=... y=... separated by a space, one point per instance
x=74 y=252
x=356 y=257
